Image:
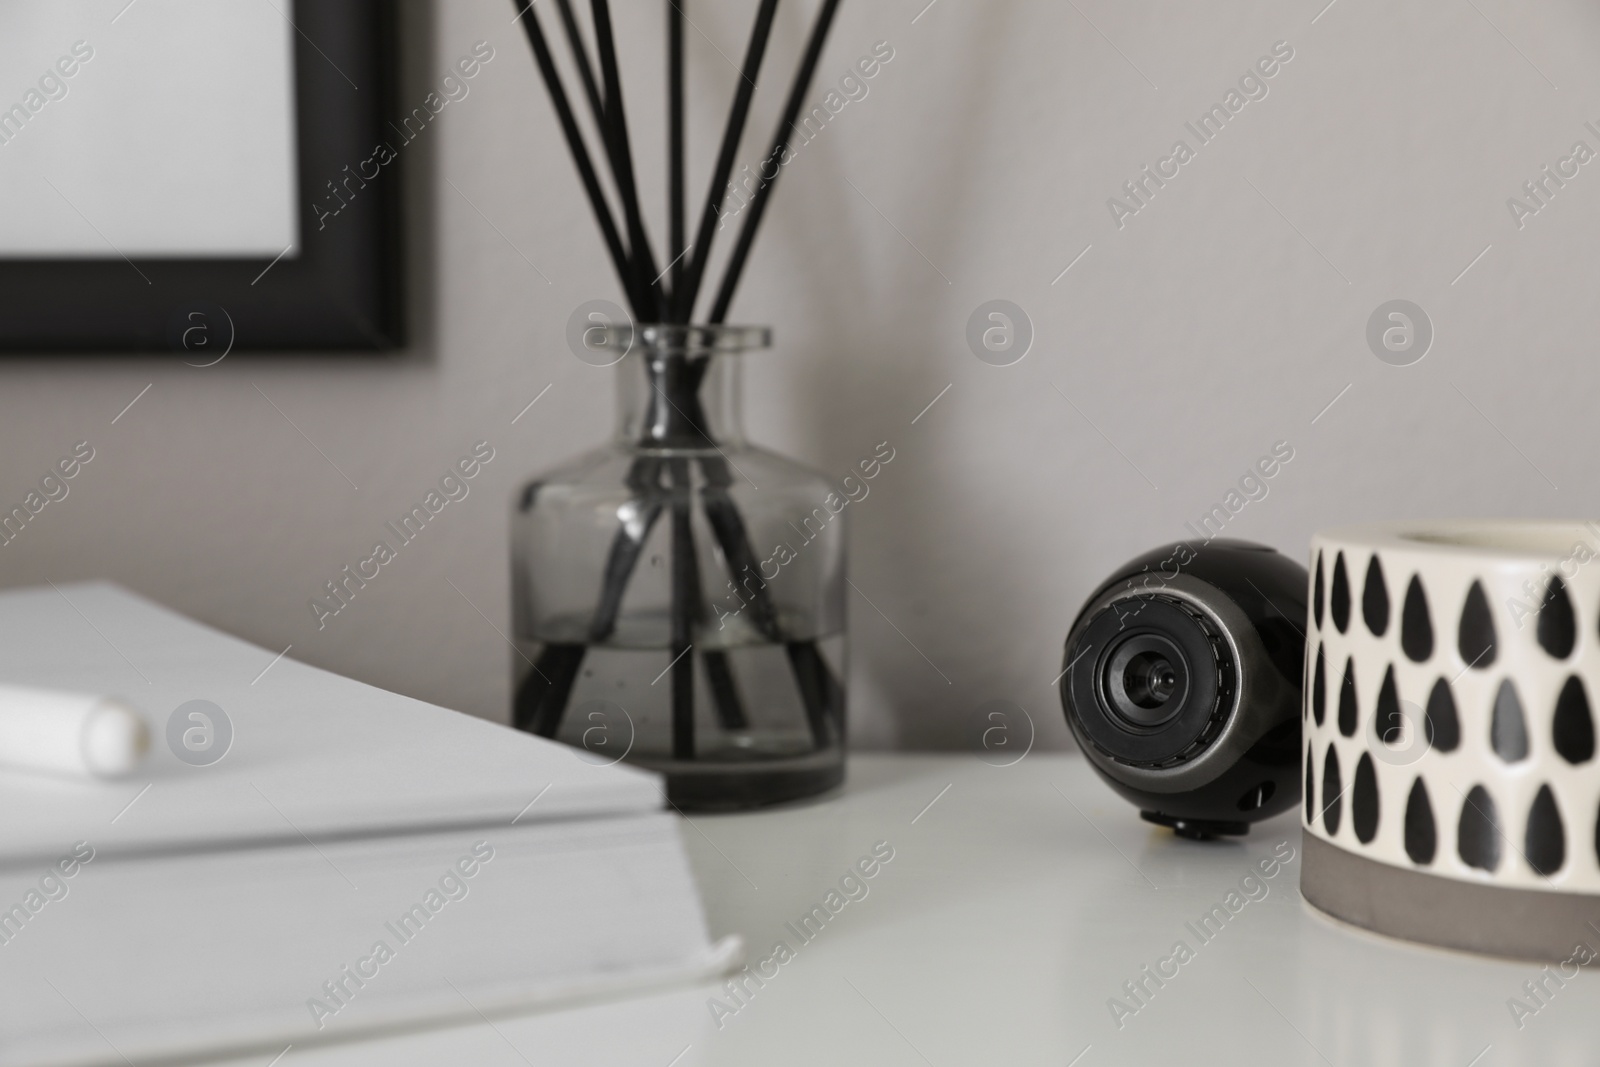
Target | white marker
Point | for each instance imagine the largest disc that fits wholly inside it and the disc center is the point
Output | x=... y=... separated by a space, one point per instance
x=81 y=734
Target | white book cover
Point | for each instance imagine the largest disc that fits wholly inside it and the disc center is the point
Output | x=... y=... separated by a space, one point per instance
x=304 y=752
x=354 y=863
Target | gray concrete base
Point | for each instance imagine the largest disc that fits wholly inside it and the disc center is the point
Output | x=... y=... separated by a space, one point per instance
x=1527 y=924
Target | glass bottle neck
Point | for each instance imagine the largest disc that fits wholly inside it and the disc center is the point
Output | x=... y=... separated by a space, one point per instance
x=676 y=399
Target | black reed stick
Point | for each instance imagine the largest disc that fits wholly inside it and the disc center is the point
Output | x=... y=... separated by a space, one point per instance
x=683 y=302
x=626 y=548
x=685 y=597
x=542 y=698
x=616 y=146
x=547 y=690
x=644 y=263
x=780 y=145
x=820 y=694
x=580 y=59
x=580 y=154
x=675 y=141
x=724 y=692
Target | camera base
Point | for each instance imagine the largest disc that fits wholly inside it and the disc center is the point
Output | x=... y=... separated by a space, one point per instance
x=1197 y=829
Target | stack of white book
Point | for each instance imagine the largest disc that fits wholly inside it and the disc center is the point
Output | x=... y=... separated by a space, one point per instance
x=355 y=862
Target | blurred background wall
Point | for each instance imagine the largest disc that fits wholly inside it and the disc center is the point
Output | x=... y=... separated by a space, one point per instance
x=1187 y=340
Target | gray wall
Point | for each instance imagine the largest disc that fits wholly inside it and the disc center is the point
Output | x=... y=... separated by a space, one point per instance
x=1222 y=317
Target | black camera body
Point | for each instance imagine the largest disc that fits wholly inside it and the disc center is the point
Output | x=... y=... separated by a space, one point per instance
x=1182 y=684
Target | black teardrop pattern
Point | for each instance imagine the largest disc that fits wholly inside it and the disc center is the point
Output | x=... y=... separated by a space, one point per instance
x=1416 y=627
x=1572 y=727
x=1348 y=712
x=1311 y=788
x=1422 y=839
x=1316 y=594
x=1339 y=599
x=1388 y=724
x=1332 y=793
x=1475 y=635
x=1508 y=731
x=1558 y=624
x=1441 y=722
x=1545 y=843
x=1478 y=833
x=1364 y=801
x=1319 y=690
x=1375 y=599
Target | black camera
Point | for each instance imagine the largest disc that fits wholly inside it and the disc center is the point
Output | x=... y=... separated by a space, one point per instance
x=1182 y=684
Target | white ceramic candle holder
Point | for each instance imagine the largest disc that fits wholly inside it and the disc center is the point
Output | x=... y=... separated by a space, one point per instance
x=1451 y=780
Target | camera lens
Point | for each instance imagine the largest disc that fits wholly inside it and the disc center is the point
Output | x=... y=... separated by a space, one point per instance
x=1149 y=679
x=1145 y=679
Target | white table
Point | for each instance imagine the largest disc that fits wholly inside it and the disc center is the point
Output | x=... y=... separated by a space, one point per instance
x=1019 y=901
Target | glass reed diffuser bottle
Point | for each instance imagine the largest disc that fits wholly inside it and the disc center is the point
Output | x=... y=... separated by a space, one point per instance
x=678 y=594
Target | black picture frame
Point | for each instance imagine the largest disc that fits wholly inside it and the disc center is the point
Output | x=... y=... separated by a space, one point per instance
x=344 y=290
